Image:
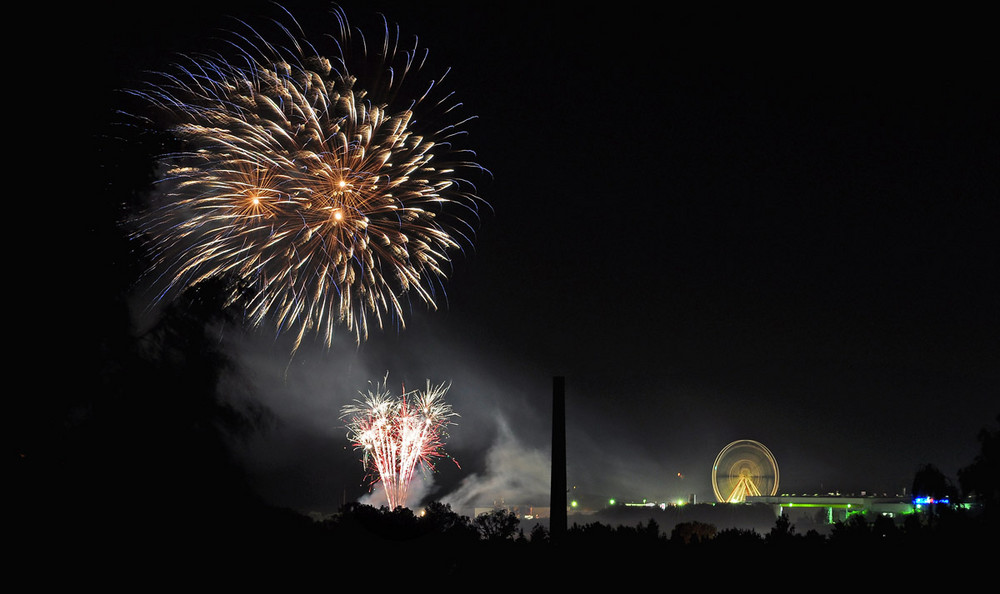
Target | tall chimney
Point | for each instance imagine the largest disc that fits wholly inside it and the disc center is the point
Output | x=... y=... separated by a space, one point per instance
x=557 y=510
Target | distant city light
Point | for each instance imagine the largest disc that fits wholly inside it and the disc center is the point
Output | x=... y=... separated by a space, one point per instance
x=929 y=501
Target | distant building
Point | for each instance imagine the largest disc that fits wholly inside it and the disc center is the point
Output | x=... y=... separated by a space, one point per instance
x=834 y=508
x=523 y=512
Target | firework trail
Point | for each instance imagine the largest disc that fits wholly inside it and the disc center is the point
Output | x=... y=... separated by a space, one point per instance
x=312 y=183
x=398 y=435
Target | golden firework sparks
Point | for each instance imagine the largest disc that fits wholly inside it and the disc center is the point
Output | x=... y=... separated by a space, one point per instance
x=328 y=199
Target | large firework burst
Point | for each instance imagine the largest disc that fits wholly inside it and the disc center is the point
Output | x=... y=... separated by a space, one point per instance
x=322 y=192
x=397 y=435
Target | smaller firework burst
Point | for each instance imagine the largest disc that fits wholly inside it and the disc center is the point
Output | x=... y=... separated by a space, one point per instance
x=397 y=435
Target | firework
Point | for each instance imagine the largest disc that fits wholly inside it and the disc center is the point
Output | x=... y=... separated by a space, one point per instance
x=315 y=180
x=398 y=435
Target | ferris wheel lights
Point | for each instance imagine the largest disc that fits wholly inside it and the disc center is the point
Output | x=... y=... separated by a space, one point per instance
x=747 y=469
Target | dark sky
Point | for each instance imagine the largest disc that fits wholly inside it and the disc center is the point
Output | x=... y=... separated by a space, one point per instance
x=716 y=223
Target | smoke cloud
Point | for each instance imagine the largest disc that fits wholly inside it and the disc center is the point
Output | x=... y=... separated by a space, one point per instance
x=514 y=474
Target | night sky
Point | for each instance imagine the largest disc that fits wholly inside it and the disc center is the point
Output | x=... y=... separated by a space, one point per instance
x=715 y=223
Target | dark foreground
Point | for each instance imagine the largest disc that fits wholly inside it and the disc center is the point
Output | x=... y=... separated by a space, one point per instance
x=266 y=548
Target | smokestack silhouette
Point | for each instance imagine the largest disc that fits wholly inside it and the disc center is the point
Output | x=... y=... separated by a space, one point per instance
x=557 y=506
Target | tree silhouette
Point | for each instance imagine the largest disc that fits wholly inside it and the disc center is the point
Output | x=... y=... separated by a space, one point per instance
x=852 y=532
x=981 y=478
x=539 y=535
x=692 y=532
x=782 y=533
x=497 y=525
x=447 y=527
x=929 y=481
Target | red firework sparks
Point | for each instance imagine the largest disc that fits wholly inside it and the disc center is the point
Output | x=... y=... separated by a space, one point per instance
x=399 y=434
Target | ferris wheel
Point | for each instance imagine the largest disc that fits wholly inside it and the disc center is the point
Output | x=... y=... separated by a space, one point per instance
x=744 y=468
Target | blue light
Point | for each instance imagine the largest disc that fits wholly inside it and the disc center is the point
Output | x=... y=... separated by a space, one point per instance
x=929 y=501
